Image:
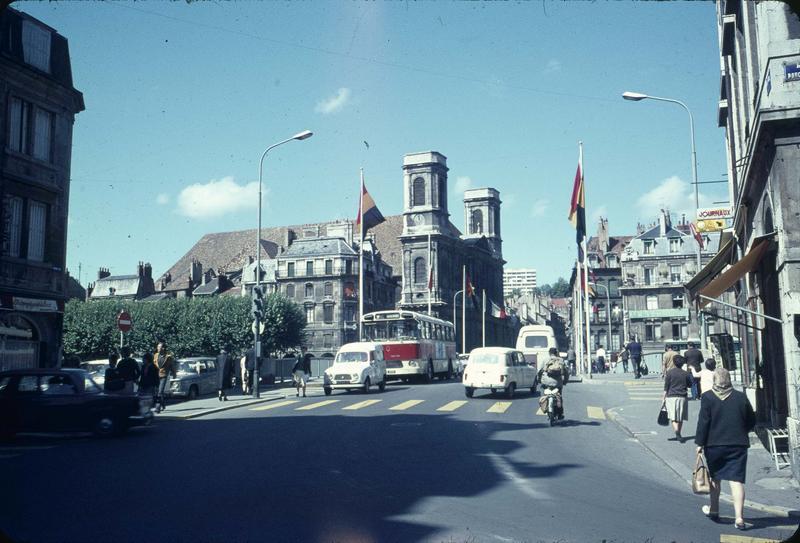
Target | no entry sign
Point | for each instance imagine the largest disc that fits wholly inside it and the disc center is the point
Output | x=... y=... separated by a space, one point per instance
x=124 y=321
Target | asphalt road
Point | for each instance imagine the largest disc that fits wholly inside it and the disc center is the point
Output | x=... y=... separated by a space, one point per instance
x=394 y=469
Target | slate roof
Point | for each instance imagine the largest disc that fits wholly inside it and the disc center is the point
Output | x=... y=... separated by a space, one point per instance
x=655 y=232
x=318 y=247
x=211 y=287
x=156 y=297
x=123 y=285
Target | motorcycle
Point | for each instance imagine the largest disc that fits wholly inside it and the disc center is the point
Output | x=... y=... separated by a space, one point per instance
x=551 y=401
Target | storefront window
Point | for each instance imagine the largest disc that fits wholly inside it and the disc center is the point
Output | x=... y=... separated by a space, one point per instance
x=19 y=345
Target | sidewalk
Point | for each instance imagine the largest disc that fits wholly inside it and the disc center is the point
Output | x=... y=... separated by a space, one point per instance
x=767 y=489
x=210 y=404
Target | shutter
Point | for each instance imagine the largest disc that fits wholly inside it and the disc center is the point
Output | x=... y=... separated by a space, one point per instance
x=36 y=229
x=42 y=134
x=13 y=226
x=16 y=133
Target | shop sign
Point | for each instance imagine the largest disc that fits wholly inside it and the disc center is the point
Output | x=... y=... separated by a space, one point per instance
x=35 y=305
x=708 y=213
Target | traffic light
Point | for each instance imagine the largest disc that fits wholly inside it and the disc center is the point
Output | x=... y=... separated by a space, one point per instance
x=258 y=303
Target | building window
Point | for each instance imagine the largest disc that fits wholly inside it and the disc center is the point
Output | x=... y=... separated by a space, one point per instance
x=310 y=314
x=329 y=267
x=675 y=274
x=327 y=341
x=329 y=290
x=349 y=290
x=476 y=221
x=13 y=226
x=348 y=267
x=350 y=313
x=684 y=331
x=309 y=290
x=675 y=245
x=327 y=313
x=19 y=122
x=613 y=288
x=677 y=302
x=310 y=267
x=652 y=332
x=290 y=269
x=649 y=246
x=418 y=192
x=611 y=261
x=36 y=46
x=30 y=130
x=37 y=219
x=290 y=290
x=652 y=302
x=676 y=330
x=42 y=135
x=648 y=276
x=601 y=313
x=442 y=192
x=420 y=275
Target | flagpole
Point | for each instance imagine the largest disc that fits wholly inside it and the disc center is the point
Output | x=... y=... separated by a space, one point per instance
x=483 y=319
x=585 y=267
x=361 y=258
x=464 y=310
x=577 y=344
x=430 y=275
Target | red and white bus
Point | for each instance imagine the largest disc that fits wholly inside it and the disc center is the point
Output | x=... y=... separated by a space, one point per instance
x=413 y=344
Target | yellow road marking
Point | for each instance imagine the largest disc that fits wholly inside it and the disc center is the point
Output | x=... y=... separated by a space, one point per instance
x=499 y=407
x=595 y=412
x=452 y=406
x=361 y=405
x=406 y=405
x=316 y=405
x=273 y=405
x=730 y=538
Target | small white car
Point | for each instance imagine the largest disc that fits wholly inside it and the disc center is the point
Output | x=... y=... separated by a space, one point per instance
x=356 y=366
x=498 y=368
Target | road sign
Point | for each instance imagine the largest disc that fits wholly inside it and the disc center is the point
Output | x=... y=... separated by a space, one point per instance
x=124 y=322
x=261 y=327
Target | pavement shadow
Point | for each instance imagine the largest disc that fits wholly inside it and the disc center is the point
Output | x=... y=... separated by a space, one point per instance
x=572 y=422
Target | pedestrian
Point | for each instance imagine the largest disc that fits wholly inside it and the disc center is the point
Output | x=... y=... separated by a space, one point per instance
x=676 y=384
x=165 y=363
x=614 y=361
x=243 y=373
x=635 y=350
x=111 y=379
x=250 y=366
x=128 y=369
x=723 y=424
x=148 y=381
x=571 y=360
x=302 y=370
x=694 y=360
x=600 y=359
x=624 y=355
x=224 y=371
x=705 y=376
x=667 y=360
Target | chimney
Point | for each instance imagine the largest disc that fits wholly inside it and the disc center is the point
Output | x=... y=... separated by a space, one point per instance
x=663 y=223
x=195 y=272
x=683 y=219
x=140 y=269
x=602 y=237
x=289 y=237
x=148 y=270
x=89 y=289
x=102 y=273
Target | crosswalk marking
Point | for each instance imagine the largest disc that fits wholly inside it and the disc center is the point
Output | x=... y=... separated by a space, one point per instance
x=595 y=412
x=273 y=405
x=311 y=406
x=452 y=406
x=361 y=405
x=406 y=405
x=499 y=407
x=730 y=538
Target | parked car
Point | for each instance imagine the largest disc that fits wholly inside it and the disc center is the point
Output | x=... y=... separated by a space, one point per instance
x=194 y=376
x=461 y=364
x=97 y=370
x=498 y=368
x=356 y=366
x=59 y=400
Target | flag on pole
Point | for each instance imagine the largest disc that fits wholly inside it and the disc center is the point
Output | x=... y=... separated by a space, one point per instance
x=497 y=311
x=368 y=211
x=577 y=209
x=697 y=235
x=471 y=292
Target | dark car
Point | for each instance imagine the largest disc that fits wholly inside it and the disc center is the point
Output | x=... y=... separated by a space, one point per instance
x=59 y=400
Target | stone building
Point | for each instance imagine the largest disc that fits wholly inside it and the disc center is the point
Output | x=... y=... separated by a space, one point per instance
x=38 y=105
x=759 y=109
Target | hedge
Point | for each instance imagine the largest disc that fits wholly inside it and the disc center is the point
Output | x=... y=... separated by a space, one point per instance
x=190 y=326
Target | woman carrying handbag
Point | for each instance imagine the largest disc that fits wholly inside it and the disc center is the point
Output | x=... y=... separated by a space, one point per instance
x=724 y=422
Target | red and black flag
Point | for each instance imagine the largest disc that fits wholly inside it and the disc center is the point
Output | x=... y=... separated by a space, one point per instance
x=368 y=211
x=577 y=210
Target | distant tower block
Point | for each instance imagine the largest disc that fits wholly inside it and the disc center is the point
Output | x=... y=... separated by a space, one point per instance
x=482 y=217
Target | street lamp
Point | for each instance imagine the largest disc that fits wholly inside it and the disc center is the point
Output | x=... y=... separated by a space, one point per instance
x=305 y=134
x=455 y=317
x=636 y=97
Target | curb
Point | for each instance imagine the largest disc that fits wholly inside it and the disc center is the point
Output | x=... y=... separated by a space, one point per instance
x=221 y=408
x=772 y=509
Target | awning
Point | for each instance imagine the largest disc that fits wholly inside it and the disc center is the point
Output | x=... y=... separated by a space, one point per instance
x=714 y=266
x=749 y=261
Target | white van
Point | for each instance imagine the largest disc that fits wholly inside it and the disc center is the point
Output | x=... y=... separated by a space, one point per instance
x=535 y=341
x=356 y=366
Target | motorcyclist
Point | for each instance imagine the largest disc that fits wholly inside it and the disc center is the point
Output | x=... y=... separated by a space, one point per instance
x=555 y=373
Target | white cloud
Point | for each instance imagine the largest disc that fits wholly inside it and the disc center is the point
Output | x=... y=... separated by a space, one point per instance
x=462 y=183
x=335 y=103
x=673 y=194
x=539 y=208
x=162 y=199
x=552 y=66
x=217 y=198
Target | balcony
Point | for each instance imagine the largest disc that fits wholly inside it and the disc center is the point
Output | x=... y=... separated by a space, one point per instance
x=676 y=313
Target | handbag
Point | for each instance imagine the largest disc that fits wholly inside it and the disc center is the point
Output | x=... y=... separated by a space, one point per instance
x=701 y=483
x=663 y=418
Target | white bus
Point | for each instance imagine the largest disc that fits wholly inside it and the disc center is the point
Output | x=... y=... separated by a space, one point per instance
x=413 y=344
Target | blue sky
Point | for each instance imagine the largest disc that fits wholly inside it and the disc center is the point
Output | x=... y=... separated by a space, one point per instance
x=182 y=99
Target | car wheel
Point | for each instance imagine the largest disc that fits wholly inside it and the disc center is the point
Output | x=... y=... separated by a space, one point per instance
x=449 y=374
x=366 y=386
x=328 y=391
x=382 y=386
x=510 y=390
x=429 y=375
x=469 y=391
x=192 y=394
x=105 y=426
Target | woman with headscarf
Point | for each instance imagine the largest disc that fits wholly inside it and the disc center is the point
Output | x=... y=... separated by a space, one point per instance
x=724 y=422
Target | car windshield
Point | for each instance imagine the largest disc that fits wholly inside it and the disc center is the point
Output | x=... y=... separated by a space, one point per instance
x=535 y=342
x=342 y=358
x=486 y=358
x=399 y=329
x=94 y=367
x=90 y=386
x=188 y=366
